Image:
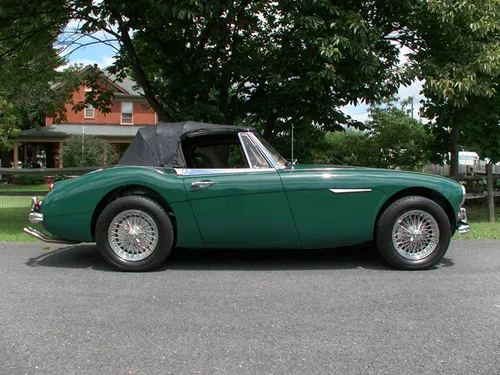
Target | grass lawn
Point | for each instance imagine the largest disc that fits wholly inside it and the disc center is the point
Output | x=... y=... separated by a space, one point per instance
x=14 y=216
x=6 y=187
x=481 y=228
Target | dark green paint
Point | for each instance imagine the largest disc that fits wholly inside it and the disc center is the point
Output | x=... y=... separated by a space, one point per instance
x=325 y=219
x=249 y=208
x=291 y=208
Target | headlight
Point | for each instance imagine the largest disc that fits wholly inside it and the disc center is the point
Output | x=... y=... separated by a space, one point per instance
x=465 y=192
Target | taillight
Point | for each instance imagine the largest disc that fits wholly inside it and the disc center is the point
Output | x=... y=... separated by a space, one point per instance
x=35 y=204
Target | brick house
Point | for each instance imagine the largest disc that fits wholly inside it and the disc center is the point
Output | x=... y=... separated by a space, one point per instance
x=129 y=112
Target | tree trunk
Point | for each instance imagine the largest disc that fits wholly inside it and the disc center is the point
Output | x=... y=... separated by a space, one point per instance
x=491 y=197
x=141 y=77
x=270 y=126
x=455 y=144
x=6 y=157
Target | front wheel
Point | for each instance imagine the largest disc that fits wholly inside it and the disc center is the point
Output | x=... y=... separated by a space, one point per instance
x=134 y=233
x=413 y=233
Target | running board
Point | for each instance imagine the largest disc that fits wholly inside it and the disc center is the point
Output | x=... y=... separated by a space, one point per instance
x=39 y=235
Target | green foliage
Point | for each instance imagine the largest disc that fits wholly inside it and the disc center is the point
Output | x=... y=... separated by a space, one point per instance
x=8 y=122
x=30 y=180
x=393 y=140
x=457 y=58
x=87 y=151
x=267 y=64
x=403 y=141
x=264 y=64
x=480 y=125
x=310 y=145
x=352 y=148
x=275 y=64
x=60 y=177
x=28 y=67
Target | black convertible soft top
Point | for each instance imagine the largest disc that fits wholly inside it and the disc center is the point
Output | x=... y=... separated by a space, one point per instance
x=160 y=145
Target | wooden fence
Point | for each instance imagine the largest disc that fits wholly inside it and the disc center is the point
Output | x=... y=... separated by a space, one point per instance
x=479 y=168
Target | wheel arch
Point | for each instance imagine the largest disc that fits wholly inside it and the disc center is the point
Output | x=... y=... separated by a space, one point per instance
x=127 y=190
x=422 y=192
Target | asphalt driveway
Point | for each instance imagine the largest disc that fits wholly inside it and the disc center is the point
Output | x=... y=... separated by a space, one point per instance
x=64 y=311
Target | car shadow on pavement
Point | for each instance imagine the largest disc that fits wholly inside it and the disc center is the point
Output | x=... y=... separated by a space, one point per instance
x=362 y=257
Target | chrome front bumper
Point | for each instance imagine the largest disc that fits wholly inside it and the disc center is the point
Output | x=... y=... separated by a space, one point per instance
x=462 y=225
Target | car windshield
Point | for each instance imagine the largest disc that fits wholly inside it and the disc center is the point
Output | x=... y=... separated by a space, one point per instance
x=277 y=158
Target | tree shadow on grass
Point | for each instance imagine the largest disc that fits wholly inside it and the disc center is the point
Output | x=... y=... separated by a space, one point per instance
x=354 y=257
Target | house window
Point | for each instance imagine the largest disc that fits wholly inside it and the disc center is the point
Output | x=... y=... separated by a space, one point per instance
x=89 y=111
x=127 y=113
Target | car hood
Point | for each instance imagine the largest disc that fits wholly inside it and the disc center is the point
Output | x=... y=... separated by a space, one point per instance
x=317 y=177
x=301 y=168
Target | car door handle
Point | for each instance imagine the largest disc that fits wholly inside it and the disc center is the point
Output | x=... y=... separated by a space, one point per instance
x=202 y=184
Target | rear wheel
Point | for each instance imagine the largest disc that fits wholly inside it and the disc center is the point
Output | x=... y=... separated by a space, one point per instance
x=413 y=233
x=134 y=233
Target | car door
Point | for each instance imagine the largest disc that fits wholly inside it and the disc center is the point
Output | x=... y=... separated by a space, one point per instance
x=241 y=207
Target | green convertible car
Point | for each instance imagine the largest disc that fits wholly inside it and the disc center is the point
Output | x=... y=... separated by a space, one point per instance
x=196 y=185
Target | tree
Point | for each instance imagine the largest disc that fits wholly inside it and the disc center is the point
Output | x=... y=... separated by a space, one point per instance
x=352 y=147
x=392 y=140
x=274 y=64
x=265 y=64
x=456 y=55
x=260 y=63
x=28 y=68
x=87 y=151
x=481 y=126
x=7 y=125
x=401 y=140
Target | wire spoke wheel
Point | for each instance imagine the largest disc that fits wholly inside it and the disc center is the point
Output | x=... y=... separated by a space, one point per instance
x=415 y=234
x=133 y=235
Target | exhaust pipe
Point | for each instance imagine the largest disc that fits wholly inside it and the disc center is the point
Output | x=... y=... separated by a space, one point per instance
x=40 y=236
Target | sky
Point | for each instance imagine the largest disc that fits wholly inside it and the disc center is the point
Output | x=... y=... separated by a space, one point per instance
x=102 y=55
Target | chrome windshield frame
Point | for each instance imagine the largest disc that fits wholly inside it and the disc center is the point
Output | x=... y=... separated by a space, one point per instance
x=273 y=165
x=265 y=151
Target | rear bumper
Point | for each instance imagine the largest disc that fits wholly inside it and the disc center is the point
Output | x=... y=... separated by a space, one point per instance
x=41 y=236
x=36 y=217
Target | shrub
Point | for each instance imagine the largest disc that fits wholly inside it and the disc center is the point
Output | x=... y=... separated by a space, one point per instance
x=60 y=177
x=87 y=151
x=31 y=180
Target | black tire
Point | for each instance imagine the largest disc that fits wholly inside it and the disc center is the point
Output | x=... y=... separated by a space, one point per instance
x=141 y=205
x=388 y=221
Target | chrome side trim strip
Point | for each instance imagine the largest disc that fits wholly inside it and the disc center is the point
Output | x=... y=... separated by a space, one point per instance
x=208 y=172
x=348 y=191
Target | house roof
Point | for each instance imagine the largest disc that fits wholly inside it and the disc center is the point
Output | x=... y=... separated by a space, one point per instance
x=124 y=87
x=59 y=132
x=128 y=85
